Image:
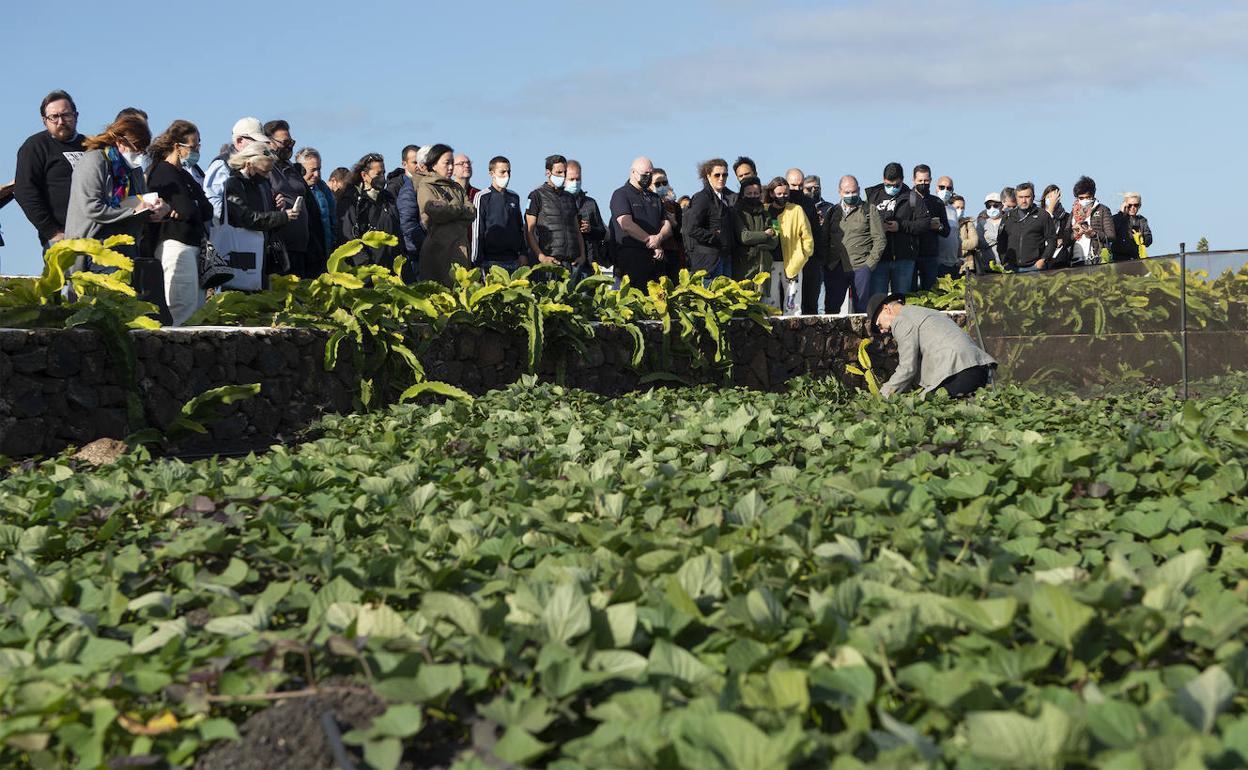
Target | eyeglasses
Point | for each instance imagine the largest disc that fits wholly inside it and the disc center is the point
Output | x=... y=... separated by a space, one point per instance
x=463 y=163
x=60 y=117
x=190 y=146
x=287 y=144
x=944 y=187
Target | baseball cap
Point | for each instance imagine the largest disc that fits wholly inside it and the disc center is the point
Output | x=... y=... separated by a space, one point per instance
x=992 y=198
x=250 y=128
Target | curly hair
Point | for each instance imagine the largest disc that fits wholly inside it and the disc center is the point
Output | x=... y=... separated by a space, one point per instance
x=707 y=166
x=1085 y=186
x=177 y=133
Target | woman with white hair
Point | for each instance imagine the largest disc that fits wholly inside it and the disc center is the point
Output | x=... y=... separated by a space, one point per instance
x=1132 y=234
x=242 y=237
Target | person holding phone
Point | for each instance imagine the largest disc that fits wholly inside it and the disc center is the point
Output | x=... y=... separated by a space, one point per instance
x=179 y=237
x=108 y=192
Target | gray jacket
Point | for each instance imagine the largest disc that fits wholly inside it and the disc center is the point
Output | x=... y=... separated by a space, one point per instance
x=931 y=347
x=856 y=239
x=90 y=215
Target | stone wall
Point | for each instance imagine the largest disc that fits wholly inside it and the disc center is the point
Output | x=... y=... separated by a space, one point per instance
x=61 y=387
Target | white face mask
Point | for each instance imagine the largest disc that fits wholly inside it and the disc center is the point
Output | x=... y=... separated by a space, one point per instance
x=556 y=182
x=945 y=195
x=501 y=182
x=133 y=159
x=573 y=186
x=994 y=213
x=1089 y=203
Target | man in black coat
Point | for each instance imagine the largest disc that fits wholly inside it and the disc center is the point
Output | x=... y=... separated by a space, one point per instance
x=902 y=226
x=927 y=241
x=593 y=228
x=1028 y=233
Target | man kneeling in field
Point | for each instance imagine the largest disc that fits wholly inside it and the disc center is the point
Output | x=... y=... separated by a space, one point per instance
x=930 y=348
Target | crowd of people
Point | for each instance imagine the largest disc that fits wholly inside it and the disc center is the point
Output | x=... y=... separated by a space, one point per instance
x=261 y=208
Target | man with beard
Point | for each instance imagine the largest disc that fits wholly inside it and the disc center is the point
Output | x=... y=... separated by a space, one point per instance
x=45 y=165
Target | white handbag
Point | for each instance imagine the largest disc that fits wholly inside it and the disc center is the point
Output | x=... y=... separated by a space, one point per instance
x=242 y=250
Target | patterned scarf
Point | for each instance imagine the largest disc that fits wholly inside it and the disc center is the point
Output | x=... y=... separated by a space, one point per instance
x=1080 y=219
x=119 y=177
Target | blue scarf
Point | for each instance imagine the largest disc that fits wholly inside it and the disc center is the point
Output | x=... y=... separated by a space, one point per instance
x=119 y=178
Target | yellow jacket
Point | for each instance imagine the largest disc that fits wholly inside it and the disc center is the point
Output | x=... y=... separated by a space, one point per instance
x=797 y=243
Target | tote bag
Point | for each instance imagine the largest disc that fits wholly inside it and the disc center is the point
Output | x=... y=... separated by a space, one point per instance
x=242 y=251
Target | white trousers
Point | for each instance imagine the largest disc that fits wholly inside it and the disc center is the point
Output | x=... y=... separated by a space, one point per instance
x=180 y=263
x=786 y=292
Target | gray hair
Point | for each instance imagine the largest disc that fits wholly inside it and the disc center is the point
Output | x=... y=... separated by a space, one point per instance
x=254 y=151
x=307 y=152
x=812 y=178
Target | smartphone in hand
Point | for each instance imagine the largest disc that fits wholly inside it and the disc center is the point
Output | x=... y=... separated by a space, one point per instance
x=298 y=204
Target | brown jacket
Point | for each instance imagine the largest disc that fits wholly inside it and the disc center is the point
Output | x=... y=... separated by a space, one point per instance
x=447 y=218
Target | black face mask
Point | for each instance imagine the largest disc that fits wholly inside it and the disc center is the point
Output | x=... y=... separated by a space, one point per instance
x=378 y=183
x=751 y=204
x=283 y=154
x=922 y=189
x=644 y=180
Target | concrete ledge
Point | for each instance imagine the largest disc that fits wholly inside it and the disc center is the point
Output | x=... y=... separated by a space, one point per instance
x=61 y=387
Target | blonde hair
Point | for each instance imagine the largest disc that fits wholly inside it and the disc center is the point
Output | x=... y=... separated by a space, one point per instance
x=252 y=152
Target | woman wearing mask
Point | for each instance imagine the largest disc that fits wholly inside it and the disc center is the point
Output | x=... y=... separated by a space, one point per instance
x=675 y=256
x=446 y=216
x=1131 y=229
x=797 y=244
x=367 y=205
x=249 y=221
x=988 y=228
x=1091 y=225
x=180 y=235
x=757 y=239
x=1052 y=202
x=106 y=193
x=968 y=235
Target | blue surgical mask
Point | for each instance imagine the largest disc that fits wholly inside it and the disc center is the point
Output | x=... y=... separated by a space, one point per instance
x=851 y=200
x=191 y=160
x=892 y=189
x=662 y=190
x=994 y=213
x=573 y=186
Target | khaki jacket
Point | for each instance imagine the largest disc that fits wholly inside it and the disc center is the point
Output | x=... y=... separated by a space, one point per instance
x=856 y=239
x=447 y=218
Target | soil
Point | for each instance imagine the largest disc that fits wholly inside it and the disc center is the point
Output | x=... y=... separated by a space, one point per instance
x=289 y=735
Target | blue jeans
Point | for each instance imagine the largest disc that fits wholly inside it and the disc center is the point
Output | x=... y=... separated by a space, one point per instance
x=895 y=275
x=1027 y=270
x=510 y=266
x=929 y=271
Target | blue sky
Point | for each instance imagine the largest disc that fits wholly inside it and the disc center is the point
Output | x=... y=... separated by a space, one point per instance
x=1142 y=96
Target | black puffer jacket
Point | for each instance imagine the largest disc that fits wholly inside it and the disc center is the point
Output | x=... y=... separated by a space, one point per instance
x=1125 y=247
x=709 y=234
x=358 y=213
x=1028 y=236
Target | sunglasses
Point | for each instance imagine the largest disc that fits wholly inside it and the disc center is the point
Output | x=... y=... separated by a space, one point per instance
x=719 y=176
x=944 y=187
x=992 y=205
x=1133 y=205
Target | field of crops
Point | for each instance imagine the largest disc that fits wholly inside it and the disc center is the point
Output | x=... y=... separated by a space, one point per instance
x=689 y=578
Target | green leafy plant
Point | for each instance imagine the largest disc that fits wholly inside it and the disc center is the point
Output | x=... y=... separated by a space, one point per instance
x=700 y=577
x=864 y=368
x=195 y=414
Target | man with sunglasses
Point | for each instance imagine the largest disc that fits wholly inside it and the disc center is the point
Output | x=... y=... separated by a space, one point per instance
x=305 y=246
x=45 y=165
x=949 y=257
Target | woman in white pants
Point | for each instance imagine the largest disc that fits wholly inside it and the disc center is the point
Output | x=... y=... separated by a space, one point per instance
x=797 y=244
x=181 y=234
